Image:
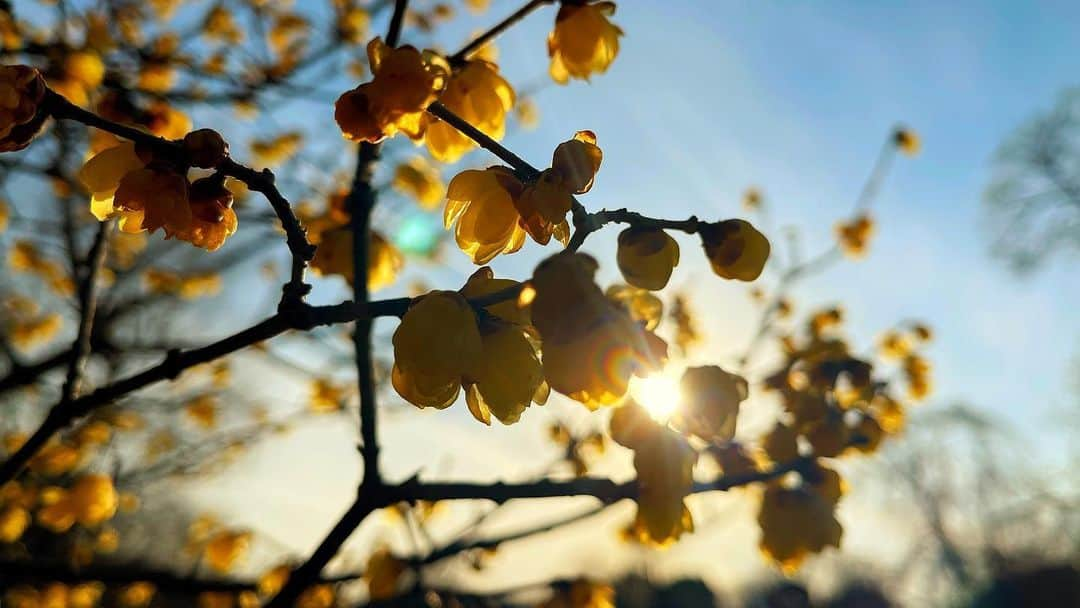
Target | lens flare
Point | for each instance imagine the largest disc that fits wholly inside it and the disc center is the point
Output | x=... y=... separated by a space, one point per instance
x=658 y=393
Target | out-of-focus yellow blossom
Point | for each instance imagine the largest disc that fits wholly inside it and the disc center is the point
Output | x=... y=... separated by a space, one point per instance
x=225 y=549
x=867 y=434
x=136 y=595
x=85 y=67
x=26 y=257
x=795 y=523
x=710 y=402
x=383 y=574
x=582 y=593
x=922 y=332
x=202 y=410
x=187 y=287
x=220 y=24
x=686 y=331
x=889 y=413
x=736 y=250
x=895 y=345
x=273 y=580
x=917 y=372
x=90 y=501
x=478 y=6
x=436 y=345
x=287 y=30
x=907 y=141
x=854 y=236
x=353 y=23
x=405 y=82
x=642 y=305
x=584 y=41
x=334 y=255
x=22 y=90
x=5 y=215
x=481 y=202
x=477 y=93
x=56 y=459
x=591 y=346
x=752 y=199
x=544 y=203
x=156 y=76
x=278 y=149
x=325 y=396
x=107 y=541
x=527 y=113
x=317 y=596
x=13 y=522
x=418 y=179
x=646 y=257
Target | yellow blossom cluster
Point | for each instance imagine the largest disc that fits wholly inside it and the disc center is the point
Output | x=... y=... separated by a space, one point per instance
x=442 y=345
x=148 y=194
x=493 y=209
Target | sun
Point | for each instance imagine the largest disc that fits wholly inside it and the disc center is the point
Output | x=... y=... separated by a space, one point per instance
x=658 y=393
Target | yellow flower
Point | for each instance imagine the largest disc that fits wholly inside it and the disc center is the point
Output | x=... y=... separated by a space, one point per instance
x=907 y=141
x=482 y=204
x=854 y=236
x=543 y=204
x=583 y=41
x=13 y=522
x=325 y=396
x=22 y=90
x=90 y=501
x=528 y=115
x=664 y=462
x=137 y=595
x=212 y=217
x=276 y=150
x=334 y=255
x=752 y=199
x=796 y=522
x=477 y=93
x=646 y=257
x=508 y=376
x=203 y=411
x=418 y=179
x=225 y=549
x=405 y=82
x=917 y=371
x=736 y=250
x=591 y=346
x=156 y=197
x=436 y=345
x=383 y=573
x=710 y=402
x=483 y=283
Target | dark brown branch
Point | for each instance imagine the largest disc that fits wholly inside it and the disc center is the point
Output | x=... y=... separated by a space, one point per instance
x=441 y=112
x=88 y=297
x=477 y=43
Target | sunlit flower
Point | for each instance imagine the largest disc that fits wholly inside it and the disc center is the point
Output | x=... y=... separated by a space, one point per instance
x=584 y=41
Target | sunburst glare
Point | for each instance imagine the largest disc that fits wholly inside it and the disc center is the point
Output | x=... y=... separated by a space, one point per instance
x=658 y=393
